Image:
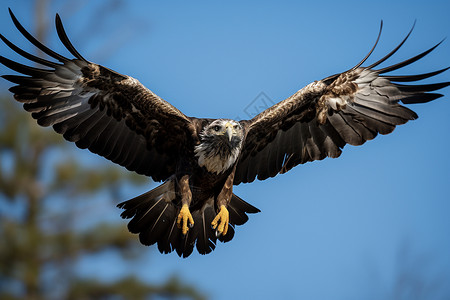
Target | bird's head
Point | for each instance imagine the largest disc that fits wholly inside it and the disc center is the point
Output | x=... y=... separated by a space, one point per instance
x=228 y=132
x=220 y=145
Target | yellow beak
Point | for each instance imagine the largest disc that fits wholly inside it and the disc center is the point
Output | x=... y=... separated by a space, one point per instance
x=229 y=131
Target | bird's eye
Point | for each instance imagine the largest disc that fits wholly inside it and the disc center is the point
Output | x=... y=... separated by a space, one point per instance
x=216 y=128
x=236 y=127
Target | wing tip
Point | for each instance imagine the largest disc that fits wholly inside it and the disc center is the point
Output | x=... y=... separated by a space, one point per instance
x=371 y=50
x=65 y=39
x=11 y=14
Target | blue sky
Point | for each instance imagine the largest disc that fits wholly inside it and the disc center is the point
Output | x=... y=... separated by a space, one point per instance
x=345 y=228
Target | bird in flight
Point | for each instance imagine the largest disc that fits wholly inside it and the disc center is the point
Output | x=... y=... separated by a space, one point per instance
x=200 y=160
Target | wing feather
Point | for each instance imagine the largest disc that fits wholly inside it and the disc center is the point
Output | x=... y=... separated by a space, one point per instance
x=111 y=114
x=320 y=119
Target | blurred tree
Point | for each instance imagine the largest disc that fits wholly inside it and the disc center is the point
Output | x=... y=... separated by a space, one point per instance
x=52 y=215
x=41 y=246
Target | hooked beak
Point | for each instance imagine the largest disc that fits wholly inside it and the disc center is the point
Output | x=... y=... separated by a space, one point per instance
x=229 y=131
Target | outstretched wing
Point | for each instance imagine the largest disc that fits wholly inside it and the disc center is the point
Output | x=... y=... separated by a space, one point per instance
x=320 y=119
x=111 y=114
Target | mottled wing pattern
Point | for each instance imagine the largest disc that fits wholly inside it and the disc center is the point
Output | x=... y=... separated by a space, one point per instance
x=111 y=114
x=320 y=119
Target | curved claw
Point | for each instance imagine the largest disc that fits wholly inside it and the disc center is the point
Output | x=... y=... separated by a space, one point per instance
x=185 y=216
x=221 y=221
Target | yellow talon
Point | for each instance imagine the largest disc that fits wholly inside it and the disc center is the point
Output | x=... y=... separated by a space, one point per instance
x=222 y=220
x=186 y=216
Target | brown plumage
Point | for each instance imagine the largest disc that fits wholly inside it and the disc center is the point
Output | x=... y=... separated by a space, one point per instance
x=199 y=160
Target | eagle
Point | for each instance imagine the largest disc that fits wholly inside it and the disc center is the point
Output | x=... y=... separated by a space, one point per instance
x=199 y=160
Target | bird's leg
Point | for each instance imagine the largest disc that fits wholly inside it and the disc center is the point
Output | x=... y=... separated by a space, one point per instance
x=220 y=222
x=186 y=196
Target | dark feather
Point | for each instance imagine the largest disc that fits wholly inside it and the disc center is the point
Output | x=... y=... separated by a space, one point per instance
x=229 y=236
x=186 y=245
x=373 y=48
x=170 y=240
x=206 y=237
x=34 y=41
x=422 y=88
x=157 y=227
x=65 y=40
x=380 y=61
x=421 y=98
x=28 y=55
x=36 y=72
x=238 y=210
x=409 y=78
x=408 y=61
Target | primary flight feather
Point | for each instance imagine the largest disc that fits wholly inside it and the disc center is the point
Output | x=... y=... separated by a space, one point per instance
x=200 y=160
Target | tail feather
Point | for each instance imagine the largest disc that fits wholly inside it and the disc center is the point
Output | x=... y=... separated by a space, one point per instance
x=146 y=217
x=157 y=228
x=206 y=240
x=186 y=246
x=239 y=209
x=171 y=239
x=229 y=236
x=154 y=214
x=132 y=206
